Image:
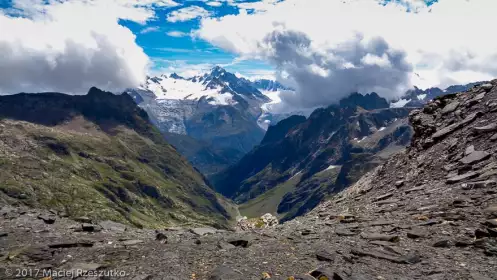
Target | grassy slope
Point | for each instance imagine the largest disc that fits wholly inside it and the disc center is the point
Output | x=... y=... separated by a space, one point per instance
x=268 y=201
x=104 y=171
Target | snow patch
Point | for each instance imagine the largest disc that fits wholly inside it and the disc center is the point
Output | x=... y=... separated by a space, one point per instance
x=399 y=104
x=332 y=167
x=296 y=174
x=422 y=96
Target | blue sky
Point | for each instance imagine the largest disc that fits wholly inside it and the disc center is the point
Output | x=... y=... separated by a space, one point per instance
x=180 y=51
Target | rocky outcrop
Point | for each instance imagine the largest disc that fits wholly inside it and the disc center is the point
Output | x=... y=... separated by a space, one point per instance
x=265 y=221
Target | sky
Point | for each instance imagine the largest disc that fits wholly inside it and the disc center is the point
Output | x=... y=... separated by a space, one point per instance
x=323 y=48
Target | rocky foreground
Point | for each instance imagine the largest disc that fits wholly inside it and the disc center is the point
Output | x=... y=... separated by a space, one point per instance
x=428 y=213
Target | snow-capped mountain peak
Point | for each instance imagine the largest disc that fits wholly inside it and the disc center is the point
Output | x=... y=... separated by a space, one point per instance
x=218 y=87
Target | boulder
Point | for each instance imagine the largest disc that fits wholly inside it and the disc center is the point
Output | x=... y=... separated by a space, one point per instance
x=48 y=219
x=451 y=107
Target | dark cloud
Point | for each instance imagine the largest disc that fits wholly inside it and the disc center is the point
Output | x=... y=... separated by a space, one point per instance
x=322 y=77
x=73 y=70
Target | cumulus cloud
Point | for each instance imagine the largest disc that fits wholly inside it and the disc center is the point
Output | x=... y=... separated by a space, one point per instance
x=329 y=48
x=323 y=76
x=53 y=46
x=187 y=13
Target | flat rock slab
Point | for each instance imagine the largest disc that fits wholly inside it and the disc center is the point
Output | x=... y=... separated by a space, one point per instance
x=408 y=259
x=446 y=131
x=381 y=223
x=113 y=226
x=132 y=242
x=325 y=255
x=417 y=233
x=203 y=231
x=486 y=128
x=383 y=197
x=71 y=244
x=475 y=157
x=462 y=177
x=381 y=237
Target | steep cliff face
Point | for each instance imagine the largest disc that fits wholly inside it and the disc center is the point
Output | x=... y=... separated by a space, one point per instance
x=301 y=161
x=98 y=155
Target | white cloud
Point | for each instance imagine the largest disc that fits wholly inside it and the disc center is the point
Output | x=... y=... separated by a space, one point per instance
x=71 y=45
x=182 y=68
x=259 y=6
x=177 y=34
x=188 y=13
x=445 y=43
x=150 y=29
x=214 y=3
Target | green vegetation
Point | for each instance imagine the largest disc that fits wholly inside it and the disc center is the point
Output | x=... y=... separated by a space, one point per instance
x=268 y=201
x=103 y=168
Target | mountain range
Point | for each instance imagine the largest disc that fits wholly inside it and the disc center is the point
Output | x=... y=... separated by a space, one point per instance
x=282 y=163
x=214 y=119
x=427 y=212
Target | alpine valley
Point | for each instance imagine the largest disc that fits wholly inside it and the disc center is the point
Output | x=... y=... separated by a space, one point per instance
x=269 y=161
